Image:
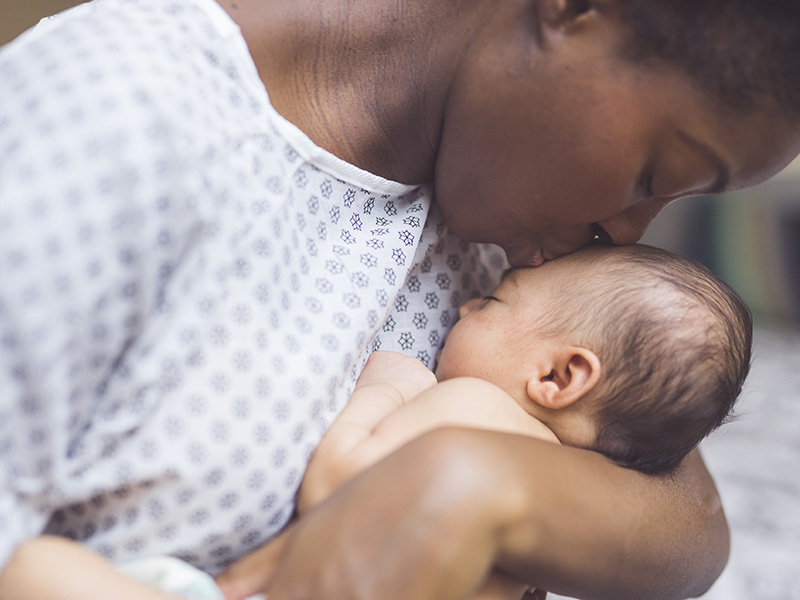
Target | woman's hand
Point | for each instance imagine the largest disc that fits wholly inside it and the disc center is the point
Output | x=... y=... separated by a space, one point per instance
x=430 y=521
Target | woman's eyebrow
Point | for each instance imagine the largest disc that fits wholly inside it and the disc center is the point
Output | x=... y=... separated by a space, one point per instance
x=723 y=173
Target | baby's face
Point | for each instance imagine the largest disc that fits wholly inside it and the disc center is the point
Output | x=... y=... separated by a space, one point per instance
x=495 y=337
x=509 y=338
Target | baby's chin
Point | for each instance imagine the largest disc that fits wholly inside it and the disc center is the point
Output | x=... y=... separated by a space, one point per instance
x=436 y=359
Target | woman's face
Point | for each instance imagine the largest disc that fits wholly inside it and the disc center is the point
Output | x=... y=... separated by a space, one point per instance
x=550 y=137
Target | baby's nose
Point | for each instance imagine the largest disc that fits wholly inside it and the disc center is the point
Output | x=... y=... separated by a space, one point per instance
x=468 y=307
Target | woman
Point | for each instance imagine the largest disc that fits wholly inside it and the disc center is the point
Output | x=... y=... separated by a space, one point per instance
x=541 y=124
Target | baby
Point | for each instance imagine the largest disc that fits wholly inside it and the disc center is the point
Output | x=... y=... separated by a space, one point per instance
x=629 y=351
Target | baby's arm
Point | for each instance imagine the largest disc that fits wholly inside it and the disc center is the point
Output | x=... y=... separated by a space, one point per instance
x=397 y=399
x=389 y=380
x=381 y=416
x=50 y=568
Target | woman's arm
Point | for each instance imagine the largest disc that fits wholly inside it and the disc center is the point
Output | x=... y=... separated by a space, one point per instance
x=431 y=520
x=600 y=531
x=50 y=568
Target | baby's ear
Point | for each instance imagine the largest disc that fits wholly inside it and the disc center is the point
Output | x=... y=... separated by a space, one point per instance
x=573 y=371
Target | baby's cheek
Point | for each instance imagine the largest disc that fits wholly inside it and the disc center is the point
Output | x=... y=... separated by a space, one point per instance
x=448 y=358
x=449 y=364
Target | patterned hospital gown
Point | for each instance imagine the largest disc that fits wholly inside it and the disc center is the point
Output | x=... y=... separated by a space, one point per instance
x=188 y=285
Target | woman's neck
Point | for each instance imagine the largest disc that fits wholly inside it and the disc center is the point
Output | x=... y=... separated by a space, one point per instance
x=367 y=81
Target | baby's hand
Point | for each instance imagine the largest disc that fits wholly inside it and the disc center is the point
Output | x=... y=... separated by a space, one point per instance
x=407 y=376
x=389 y=380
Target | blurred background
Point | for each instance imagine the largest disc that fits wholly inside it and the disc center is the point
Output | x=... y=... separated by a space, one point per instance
x=752 y=240
x=19 y=15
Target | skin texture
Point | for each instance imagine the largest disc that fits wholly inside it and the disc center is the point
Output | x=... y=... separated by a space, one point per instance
x=538 y=136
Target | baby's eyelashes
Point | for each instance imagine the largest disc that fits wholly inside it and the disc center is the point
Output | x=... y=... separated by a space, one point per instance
x=469 y=306
x=474 y=304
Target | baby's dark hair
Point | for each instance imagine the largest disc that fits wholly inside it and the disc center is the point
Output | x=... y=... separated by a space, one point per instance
x=744 y=52
x=674 y=342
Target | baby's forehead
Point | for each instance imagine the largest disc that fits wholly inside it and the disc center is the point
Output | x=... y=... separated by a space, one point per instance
x=509 y=275
x=590 y=271
x=579 y=260
x=527 y=278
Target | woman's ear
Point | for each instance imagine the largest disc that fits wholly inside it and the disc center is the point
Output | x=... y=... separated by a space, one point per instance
x=573 y=371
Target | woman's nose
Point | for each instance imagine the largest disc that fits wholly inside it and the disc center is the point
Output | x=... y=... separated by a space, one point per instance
x=629 y=226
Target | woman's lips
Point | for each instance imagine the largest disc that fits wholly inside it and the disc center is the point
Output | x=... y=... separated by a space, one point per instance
x=526 y=259
x=538 y=258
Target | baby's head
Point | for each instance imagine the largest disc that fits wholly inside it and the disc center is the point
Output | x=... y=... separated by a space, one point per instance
x=628 y=350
